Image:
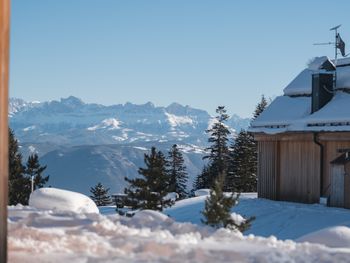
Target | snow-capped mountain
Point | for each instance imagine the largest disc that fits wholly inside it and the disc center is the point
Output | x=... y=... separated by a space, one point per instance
x=83 y=143
x=70 y=121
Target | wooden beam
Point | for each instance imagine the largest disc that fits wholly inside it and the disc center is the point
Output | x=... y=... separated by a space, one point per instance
x=4 y=77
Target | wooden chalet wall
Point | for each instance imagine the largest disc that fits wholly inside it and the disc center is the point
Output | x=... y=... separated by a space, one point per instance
x=289 y=165
x=268 y=169
x=299 y=169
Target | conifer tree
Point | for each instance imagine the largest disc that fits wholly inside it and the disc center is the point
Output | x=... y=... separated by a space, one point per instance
x=19 y=184
x=149 y=191
x=242 y=168
x=100 y=195
x=34 y=169
x=217 y=209
x=260 y=107
x=202 y=179
x=218 y=156
x=242 y=171
x=177 y=172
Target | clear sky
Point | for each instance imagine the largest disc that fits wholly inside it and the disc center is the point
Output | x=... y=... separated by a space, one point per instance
x=195 y=52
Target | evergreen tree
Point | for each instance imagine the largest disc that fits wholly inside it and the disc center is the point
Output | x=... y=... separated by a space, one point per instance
x=242 y=171
x=217 y=209
x=34 y=169
x=100 y=195
x=242 y=168
x=177 y=172
x=202 y=179
x=260 y=107
x=218 y=150
x=19 y=184
x=149 y=191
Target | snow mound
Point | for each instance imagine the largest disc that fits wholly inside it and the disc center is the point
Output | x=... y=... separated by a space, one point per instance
x=48 y=236
x=338 y=236
x=237 y=218
x=62 y=200
x=150 y=216
x=171 y=196
x=202 y=192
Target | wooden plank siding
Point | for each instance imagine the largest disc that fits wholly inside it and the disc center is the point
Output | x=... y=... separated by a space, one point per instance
x=300 y=171
x=4 y=77
x=289 y=165
x=267 y=169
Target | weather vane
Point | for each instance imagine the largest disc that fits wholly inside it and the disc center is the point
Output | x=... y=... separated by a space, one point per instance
x=338 y=44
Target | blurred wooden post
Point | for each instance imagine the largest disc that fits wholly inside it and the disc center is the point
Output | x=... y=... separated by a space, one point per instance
x=4 y=77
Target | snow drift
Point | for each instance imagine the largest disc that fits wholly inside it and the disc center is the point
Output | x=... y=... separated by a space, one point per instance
x=338 y=236
x=62 y=200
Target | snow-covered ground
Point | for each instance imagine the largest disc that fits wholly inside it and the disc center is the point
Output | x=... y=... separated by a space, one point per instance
x=285 y=220
x=37 y=235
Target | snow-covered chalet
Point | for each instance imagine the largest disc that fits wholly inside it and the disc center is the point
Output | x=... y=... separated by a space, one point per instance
x=304 y=137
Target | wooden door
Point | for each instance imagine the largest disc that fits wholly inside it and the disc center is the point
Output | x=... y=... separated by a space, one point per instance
x=347 y=186
x=337 y=185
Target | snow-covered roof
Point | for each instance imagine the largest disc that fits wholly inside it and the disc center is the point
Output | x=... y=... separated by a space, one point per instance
x=283 y=111
x=293 y=114
x=302 y=83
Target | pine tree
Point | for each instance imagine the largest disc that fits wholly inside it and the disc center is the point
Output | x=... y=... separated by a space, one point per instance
x=19 y=184
x=34 y=169
x=218 y=151
x=217 y=209
x=260 y=107
x=202 y=179
x=149 y=191
x=177 y=172
x=100 y=195
x=242 y=171
x=242 y=168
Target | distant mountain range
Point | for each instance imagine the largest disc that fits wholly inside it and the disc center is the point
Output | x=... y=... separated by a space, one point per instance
x=83 y=143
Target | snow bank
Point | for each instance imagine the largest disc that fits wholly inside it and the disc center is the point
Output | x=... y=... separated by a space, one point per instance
x=171 y=196
x=202 y=192
x=47 y=236
x=338 y=236
x=62 y=200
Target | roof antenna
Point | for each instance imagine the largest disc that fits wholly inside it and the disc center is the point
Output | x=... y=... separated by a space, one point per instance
x=335 y=29
x=338 y=44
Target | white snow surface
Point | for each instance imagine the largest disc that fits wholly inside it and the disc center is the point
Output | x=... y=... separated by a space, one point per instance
x=284 y=110
x=37 y=235
x=202 y=192
x=62 y=200
x=337 y=236
x=302 y=83
x=293 y=114
x=109 y=124
x=343 y=77
x=175 y=120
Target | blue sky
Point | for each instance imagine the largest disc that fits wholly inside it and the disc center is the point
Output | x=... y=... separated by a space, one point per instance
x=195 y=52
